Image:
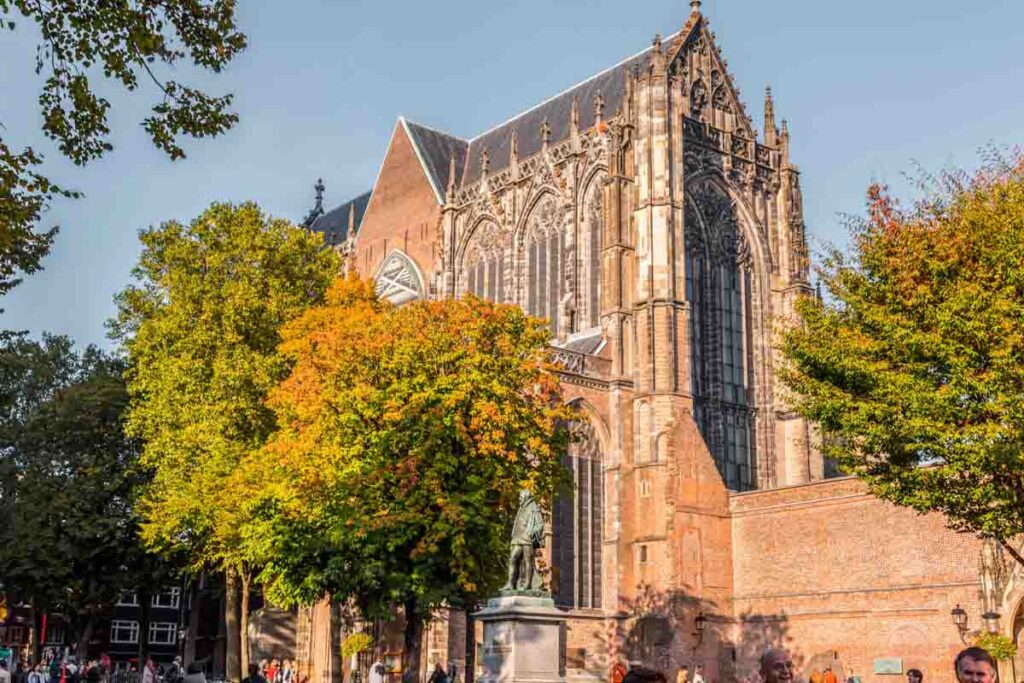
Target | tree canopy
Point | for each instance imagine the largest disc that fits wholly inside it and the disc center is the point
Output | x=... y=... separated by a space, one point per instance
x=913 y=365
x=201 y=331
x=405 y=436
x=69 y=481
x=127 y=43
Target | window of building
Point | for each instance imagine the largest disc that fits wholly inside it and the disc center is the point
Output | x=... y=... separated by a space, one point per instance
x=719 y=289
x=55 y=635
x=170 y=597
x=162 y=633
x=128 y=599
x=126 y=632
x=589 y=267
x=545 y=267
x=576 y=524
x=643 y=554
x=645 y=488
x=15 y=634
x=399 y=280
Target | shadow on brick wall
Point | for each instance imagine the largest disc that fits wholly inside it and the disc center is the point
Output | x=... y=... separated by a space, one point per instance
x=658 y=629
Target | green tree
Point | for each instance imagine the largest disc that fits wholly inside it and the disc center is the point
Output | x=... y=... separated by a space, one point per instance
x=201 y=330
x=124 y=43
x=70 y=475
x=913 y=366
x=406 y=435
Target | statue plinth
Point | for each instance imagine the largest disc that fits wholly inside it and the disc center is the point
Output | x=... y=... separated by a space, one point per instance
x=521 y=638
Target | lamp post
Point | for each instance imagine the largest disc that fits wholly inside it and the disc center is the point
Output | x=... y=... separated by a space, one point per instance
x=960 y=621
x=699 y=624
x=991 y=620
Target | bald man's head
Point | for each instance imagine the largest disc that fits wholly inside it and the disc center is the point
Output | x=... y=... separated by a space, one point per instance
x=776 y=666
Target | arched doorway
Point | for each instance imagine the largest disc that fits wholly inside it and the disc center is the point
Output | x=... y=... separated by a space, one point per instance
x=650 y=642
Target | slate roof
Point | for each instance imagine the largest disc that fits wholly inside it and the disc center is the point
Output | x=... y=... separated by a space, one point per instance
x=436 y=150
x=610 y=83
x=333 y=225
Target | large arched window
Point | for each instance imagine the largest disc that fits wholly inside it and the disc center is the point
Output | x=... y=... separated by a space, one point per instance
x=718 y=287
x=544 y=247
x=589 y=265
x=484 y=263
x=576 y=521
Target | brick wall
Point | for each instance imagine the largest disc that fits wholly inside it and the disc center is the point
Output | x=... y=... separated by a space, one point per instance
x=834 y=574
x=403 y=212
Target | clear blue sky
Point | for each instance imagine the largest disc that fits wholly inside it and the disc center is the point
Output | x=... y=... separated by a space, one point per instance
x=869 y=87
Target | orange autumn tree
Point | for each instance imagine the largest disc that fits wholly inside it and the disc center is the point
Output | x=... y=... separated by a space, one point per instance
x=406 y=434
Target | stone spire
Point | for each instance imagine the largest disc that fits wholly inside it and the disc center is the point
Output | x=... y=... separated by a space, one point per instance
x=545 y=133
x=318 y=208
x=451 y=178
x=574 y=114
x=598 y=111
x=770 y=133
x=485 y=161
x=352 y=220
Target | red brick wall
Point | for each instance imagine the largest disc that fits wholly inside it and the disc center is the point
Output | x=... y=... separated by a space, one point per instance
x=827 y=570
x=403 y=212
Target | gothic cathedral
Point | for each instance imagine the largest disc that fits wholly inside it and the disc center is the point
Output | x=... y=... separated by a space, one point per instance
x=643 y=215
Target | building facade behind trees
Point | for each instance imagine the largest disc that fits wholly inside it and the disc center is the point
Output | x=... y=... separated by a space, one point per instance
x=661 y=234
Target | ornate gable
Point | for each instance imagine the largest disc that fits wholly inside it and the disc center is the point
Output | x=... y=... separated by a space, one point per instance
x=695 y=58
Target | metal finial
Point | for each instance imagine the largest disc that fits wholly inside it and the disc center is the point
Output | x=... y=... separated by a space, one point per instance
x=694 y=6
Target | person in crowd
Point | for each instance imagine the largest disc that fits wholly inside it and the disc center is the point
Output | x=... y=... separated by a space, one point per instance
x=5 y=675
x=698 y=674
x=915 y=676
x=641 y=674
x=148 y=671
x=438 y=675
x=776 y=666
x=975 y=665
x=254 y=675
x=683 y=675
x=815 y=676
x=453 y=671
x=377 y=672
x=829 y=676
x=272 y=670
x=194 y=673
x=618 y=672
x=19 y=675
x=37 y=675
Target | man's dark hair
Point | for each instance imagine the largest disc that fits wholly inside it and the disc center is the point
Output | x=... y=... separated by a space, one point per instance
x=642 y=674
x=978 y=654
x=915 y=672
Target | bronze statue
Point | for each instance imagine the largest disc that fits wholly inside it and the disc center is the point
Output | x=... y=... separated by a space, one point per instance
x=527 y=537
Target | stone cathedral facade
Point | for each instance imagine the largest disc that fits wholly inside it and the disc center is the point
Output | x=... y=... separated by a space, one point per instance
x=661 y=234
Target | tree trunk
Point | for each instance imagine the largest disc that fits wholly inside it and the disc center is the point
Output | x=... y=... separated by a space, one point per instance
x=145 y=605
x=38 y=621
x=193 y=622
x=412 y=642
x=232 y=643
x=84 y=636
x=244 y=622
x=470 y=670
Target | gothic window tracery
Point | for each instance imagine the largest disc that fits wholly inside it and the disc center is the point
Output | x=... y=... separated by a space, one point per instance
x=576 y=520
x=589 y=268
x=484 y=262
x=398 y=279
x=719 y=289
x=545 y=253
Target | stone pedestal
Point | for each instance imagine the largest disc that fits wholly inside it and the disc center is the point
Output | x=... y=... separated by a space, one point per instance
x=522 y=641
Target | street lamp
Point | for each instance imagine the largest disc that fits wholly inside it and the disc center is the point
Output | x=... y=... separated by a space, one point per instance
x=700 y=623
x=960 y=621
x=991 y=620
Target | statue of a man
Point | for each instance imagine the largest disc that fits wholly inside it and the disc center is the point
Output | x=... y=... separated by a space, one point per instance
x=527 y=536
